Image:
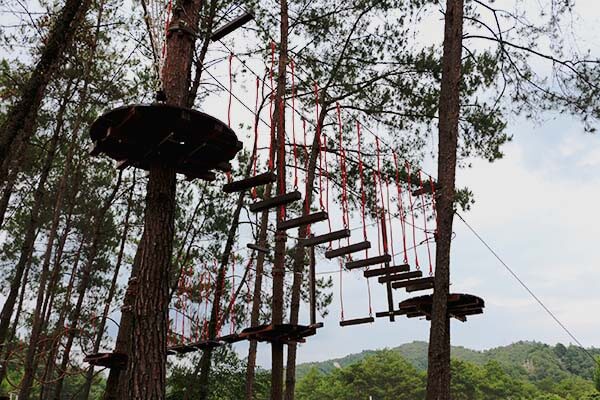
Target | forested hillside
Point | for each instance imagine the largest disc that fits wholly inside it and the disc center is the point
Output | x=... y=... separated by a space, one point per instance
x=522 y=370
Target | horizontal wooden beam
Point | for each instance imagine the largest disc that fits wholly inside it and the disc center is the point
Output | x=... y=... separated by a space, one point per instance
x=301 y=221
x=400 y=277
x=412 y=282
x=328 y=237
x=357 y=321
x=276 y=201
x=419 y=287
x=248 y=183
x=258 y=248
x=231 y=26
x=387 y=270
x=369 y=261
x=353 y=248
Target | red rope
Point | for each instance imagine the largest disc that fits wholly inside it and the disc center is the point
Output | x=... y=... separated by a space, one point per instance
x=342 y=156
x=327 y=184
x=272 y=127
x=255 y=149
x=425 y=224
x=412 y=212
x=230 y=90
x=362 y=185
x=389 y=214
x=378 y=176
x=295 y=150
x=320 y=148
x=401 y=208
x=307 y=189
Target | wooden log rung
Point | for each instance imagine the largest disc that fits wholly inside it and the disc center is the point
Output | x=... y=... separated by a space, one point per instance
x=249 y=183
x=369 y=261
x=301 y=221
x=342 y=251
x=357 y=321
x=385 y=314
x=412 y=282
x=276 y=201
x=231 y=26
x=387 y=270
x=426 y=189
x=400 y=277
x=328 y=237
x=419 y=287
x=258 y=248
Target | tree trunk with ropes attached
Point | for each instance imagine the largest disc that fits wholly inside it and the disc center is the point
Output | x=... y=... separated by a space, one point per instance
x=438 y=371
x=146 y=363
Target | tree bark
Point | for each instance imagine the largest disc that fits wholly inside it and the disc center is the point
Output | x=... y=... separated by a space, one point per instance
x=111 y=292
x=438 y=371
x=256 y=299
x=17 y=125
x=36 y=328
x=146 y=365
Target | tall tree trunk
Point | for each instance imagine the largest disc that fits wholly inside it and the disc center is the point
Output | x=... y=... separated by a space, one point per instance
x=111 y=292
x=13 y=332
x=146 y=365
x=256 y=300
x=17 y=124
x=84 y=282
x=438 y=371
x=280 y=236
x=299 y=259
x=36 y=328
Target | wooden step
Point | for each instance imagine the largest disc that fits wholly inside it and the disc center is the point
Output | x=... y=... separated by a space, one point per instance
x=357 y=321
x=419 y=287
x=249 y=183
x=387 y=270
x=369 y=261
x=426 y=189
x=301 y=221
x=342 y=251
x=231 y=26
x=400 y=277
x=258 y=248
x=412 y=282
x=328 y=237
x=276 y=201
x=385 y=314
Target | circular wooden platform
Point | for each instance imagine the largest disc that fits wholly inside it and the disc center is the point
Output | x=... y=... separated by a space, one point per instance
x=460 y=305
x=142 y=135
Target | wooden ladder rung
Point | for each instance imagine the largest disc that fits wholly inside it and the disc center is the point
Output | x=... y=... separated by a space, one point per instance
x=387 y=270
x=369 y=261
x=276 y=201
x=258 y=248
x=400 y=277
x=231 y=26
x=357 y=321
x=328 y=237
x=300 y=221
x=249 y=183
x=419 y=287
x=342 y=251
x=385 y=314
x=426 y=189
x=413 y=282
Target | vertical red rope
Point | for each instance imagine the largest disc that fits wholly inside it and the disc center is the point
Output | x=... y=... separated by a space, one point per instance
x=327 y=182
x=401 y=209
x=255 y=149
x=342 y=156
x=341 y=262
x=318 y=133
x=307 y=189
x=378 y=176
x=389 y=214
x=295 y=150
x=412 y=212
x=271 y=107
x=230 y=90
x=425 y=224
x=362 y=185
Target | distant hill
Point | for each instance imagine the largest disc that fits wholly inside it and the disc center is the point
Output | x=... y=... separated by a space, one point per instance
x=536 y=361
